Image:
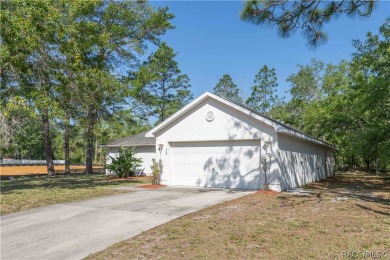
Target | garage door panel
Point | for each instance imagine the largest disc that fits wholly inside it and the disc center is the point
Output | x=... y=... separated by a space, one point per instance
x=228 y=164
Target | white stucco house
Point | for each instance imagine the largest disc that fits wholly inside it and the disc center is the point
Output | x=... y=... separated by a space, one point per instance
x=214 y=142
x=144 y=148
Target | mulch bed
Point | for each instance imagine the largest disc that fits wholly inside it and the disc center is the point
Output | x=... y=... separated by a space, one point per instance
x=151 y=186
x=267 y=192
x=115 y=178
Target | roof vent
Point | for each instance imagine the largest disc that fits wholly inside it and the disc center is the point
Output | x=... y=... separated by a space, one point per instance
x=210 y=116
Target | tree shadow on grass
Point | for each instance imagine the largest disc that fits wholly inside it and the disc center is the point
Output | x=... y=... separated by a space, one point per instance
x=295 y=200
x=358 y=181
x=361 y=186
x=62 y=182
x=386 y=213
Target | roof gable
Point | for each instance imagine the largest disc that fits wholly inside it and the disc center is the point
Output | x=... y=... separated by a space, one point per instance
x=278 y=126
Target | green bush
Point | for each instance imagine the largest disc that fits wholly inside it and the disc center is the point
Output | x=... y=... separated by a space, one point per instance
x=156 y=171
x=264 y=165
x=125 y=163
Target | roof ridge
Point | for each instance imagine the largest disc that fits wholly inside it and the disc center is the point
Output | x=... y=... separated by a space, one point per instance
x=272 y=119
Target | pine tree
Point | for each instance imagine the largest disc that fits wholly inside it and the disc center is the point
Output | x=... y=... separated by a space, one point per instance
x=226 y=88
x=263 y=96
x=308 y=17
x=161 y=88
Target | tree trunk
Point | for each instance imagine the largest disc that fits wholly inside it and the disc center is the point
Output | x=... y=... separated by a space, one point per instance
x=66 y=143
x=367 y=165
x=377 y=166
x=90 y=138
x=47 y=143
x=96 y=151
x=163 y=100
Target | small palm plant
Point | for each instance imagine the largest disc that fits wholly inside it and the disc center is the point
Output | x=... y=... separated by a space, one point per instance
x=156 y=168
x=264 y=165
x=125 y=163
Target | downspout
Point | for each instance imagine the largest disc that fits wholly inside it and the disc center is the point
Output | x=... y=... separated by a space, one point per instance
x=326 y=164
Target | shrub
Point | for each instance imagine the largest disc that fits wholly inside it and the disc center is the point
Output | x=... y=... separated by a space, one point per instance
x=264 y=165
x=156 y=171
x=125 y=163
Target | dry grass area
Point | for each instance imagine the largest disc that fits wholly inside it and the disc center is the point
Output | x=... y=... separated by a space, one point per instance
x=30 y=192
x=33 y=170
x=348 y=212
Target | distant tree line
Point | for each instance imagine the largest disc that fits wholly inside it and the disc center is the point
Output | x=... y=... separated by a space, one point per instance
x=78 y=74
x=347 y=104
x=71 y=77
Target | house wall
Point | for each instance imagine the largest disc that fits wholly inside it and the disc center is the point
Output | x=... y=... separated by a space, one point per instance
x=330 y=163
x=301 y=162
x=292 y=162
x=146 y=153
x=228 y=124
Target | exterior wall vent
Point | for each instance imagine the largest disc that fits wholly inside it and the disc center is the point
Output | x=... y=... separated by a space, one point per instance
x=210 y=116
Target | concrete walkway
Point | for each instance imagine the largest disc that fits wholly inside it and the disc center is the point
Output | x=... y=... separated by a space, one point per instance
x=75 y=230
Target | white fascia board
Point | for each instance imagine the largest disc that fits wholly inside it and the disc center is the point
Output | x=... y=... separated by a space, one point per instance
x=134 y=145
x=278 y=127
x=195 y=102
x=244 y=110
x=291 y=132
x=183 y=110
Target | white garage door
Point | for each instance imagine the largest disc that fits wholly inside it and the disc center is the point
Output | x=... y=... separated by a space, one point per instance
x=216 y=164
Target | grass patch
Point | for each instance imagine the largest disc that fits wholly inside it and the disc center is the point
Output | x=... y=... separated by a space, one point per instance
x=31 y=192
x=284 y=226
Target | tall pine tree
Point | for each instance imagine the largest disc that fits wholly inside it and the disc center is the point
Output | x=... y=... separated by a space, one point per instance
x=226 y=88
x=159 y=86
x=308 y=17
x=263 y=97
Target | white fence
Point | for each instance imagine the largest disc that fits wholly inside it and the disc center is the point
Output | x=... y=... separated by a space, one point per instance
x=27 y=162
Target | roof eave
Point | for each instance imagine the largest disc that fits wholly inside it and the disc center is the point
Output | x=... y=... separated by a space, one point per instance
x=303 y=136
x=129 y=145
x=279 y=127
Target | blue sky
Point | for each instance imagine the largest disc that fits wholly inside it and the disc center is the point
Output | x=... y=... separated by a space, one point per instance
x=211 y=40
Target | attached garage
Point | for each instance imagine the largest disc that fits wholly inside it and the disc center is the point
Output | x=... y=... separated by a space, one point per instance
x=216 y=164
x=214 y=142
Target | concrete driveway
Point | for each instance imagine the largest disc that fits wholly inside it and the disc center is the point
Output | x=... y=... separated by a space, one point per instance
x=75 y=230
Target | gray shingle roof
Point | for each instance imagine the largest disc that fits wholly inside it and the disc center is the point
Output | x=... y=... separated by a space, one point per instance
x=276 y=121
x=134 y=140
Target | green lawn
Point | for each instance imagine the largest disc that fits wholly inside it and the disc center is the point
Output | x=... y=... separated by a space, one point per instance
x=31 y=192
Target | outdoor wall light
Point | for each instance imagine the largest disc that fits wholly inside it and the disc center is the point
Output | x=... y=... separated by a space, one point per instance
x=160 y=147
x=268 y=141
x=267 y=145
